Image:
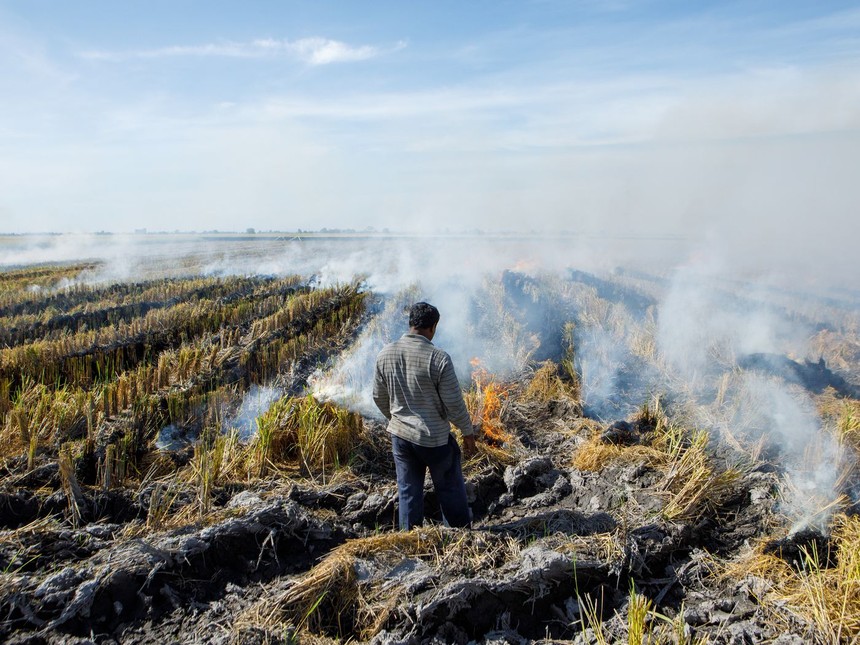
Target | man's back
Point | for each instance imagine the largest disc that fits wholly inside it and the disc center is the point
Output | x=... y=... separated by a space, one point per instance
x=415 y=387
x=417 y=390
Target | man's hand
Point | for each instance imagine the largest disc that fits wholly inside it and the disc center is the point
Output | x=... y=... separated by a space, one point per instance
x=469 y=447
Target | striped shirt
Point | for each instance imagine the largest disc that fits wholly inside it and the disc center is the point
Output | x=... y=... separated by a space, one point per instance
x=417 y=390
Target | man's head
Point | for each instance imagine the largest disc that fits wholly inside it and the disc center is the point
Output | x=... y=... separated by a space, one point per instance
x=423 y=317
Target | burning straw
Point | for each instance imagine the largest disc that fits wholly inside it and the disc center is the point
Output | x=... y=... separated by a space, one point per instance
x=485 y=405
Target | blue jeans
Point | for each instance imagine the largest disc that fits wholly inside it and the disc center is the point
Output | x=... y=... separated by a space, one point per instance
x=411 y=462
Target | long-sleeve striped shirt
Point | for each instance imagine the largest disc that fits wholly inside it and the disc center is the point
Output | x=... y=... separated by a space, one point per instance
x=417 y=390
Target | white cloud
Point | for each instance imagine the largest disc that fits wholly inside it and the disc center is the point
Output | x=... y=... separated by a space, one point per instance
x=313 y=51
x=633 y=109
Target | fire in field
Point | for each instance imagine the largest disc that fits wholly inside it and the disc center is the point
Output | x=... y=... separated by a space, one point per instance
x=189 y=450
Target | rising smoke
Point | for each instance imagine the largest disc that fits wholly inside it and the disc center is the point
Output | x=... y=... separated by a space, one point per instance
x=256 y=403
x=674 y=321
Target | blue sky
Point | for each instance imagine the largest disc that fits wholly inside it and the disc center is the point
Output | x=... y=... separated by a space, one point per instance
x=690 y=118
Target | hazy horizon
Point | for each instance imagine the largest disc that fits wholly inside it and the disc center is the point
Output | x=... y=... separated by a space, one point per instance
x=736 y=125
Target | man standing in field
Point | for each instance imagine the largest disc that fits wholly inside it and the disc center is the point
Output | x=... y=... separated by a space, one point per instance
x=417 y=390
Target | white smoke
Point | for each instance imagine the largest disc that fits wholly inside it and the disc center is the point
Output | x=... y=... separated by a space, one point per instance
x=707 y=324
x=349 y=382
x=708 y=316
x=785 y=417
x=172 y=437
x=255 y=404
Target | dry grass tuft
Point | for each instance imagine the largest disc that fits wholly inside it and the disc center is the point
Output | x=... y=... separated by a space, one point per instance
x=71 y=488
x=320 y=435
x=473 y=553
x=156 y=464
x=548 y=385
x=652 y=415
x=35 y=414
x=330 y=591
x=826 y=597
x=841 y=349
x=330 y=599
x=691 y=482
x=845 y=414
x=606 y=547
x=594 y=455
x=489 y=454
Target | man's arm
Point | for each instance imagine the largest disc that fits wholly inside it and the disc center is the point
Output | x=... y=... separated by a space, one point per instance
x=380 y=393
x=452 y=398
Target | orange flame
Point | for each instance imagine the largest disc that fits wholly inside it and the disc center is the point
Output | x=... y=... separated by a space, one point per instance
x=488 y=399
x=525 y=264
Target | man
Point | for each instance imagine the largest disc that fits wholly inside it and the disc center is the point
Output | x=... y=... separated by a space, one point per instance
x=417 y=390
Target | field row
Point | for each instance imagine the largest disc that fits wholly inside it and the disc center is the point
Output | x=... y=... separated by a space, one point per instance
x=105 y=394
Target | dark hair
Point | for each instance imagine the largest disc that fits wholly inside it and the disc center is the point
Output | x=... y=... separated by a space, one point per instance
x=423 y=315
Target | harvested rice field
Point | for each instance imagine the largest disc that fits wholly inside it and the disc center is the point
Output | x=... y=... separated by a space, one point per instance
x=189 y=452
